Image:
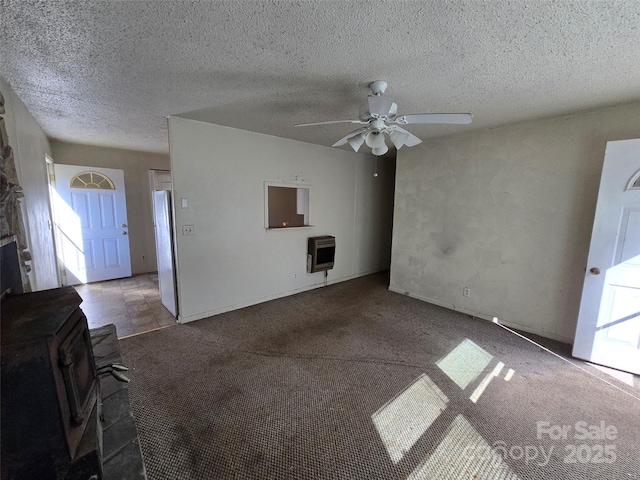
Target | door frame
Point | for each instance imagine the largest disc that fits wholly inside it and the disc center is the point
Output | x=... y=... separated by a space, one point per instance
x=55 y=225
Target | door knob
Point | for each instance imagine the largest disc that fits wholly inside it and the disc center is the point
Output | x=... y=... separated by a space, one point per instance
x=124 y=233
x=595 y=270
x=124 y=225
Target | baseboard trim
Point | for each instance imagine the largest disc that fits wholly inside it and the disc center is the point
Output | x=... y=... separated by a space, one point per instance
x=484 y=316
x=256 y=301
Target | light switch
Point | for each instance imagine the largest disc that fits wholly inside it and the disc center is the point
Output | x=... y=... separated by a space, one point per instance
x=185 y=202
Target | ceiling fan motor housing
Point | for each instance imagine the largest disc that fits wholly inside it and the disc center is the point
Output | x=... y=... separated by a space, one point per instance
x=377 y=125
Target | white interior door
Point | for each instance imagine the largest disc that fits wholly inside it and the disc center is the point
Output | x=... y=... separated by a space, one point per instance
x=608 y=330
x=92 y=220
x=164 y=249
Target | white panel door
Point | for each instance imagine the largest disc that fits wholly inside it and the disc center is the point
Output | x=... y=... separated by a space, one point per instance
x=164 y=249
x=608 y=330
x=91 y=209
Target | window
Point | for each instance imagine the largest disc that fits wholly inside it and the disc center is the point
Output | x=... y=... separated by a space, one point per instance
x=287 y=206
x=634 y=183
x=92 y=180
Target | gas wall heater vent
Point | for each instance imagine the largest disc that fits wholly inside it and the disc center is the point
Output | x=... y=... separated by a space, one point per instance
x=322 y=252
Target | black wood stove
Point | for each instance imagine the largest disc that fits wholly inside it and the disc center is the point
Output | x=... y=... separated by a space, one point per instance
x=52 y=419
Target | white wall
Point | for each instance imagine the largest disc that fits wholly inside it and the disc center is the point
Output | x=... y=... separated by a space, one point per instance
x=506 y=212
x=30 y=145
x=136 y=166
x=232 y=260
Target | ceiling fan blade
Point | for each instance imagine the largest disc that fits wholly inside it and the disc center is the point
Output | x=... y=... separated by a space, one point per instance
x=379 y=106
x=452 y=118
x=411 y=140
x=346 y=138
x=359 y=122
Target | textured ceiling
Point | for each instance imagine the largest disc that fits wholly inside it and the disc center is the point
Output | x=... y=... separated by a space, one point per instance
x=110 y=72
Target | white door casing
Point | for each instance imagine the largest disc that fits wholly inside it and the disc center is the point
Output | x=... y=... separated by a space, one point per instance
x=159 y=180
x=93 y=225
x=608 y=329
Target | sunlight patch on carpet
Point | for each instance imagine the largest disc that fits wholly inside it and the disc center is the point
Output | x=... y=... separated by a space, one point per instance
x=464 y=363
x=403 y=420
x=463 y=453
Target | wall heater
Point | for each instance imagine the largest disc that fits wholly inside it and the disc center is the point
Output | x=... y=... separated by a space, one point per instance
x=322 y=252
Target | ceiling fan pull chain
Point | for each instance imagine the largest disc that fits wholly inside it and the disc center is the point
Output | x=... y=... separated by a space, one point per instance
x=375 y=173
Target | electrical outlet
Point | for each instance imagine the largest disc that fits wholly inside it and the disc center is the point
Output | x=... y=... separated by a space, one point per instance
x=143 y=257
x=187 y=230
x=466 y=292
x=295 y=275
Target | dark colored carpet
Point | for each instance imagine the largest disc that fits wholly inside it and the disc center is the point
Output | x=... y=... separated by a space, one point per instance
x=352 y=381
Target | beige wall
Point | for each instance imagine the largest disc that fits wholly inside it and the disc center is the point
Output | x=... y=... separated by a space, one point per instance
x=30 y=145
x=232 y=260
x=506 y=212
x=136 y=166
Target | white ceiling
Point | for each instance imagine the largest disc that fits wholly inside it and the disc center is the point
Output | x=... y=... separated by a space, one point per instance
x=110 y=72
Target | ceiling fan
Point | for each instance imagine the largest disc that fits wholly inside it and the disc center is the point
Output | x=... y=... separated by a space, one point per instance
x=379 y=115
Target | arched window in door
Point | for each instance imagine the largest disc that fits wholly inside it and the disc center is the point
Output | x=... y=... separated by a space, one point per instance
x=634 y=183
x=95 y=180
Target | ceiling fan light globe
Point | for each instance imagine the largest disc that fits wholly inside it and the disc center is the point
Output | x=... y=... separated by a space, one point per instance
x=380 y=150
x=398 y=138
x=374 y=140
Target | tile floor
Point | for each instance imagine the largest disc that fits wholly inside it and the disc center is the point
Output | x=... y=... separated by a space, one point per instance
x=132 y=304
